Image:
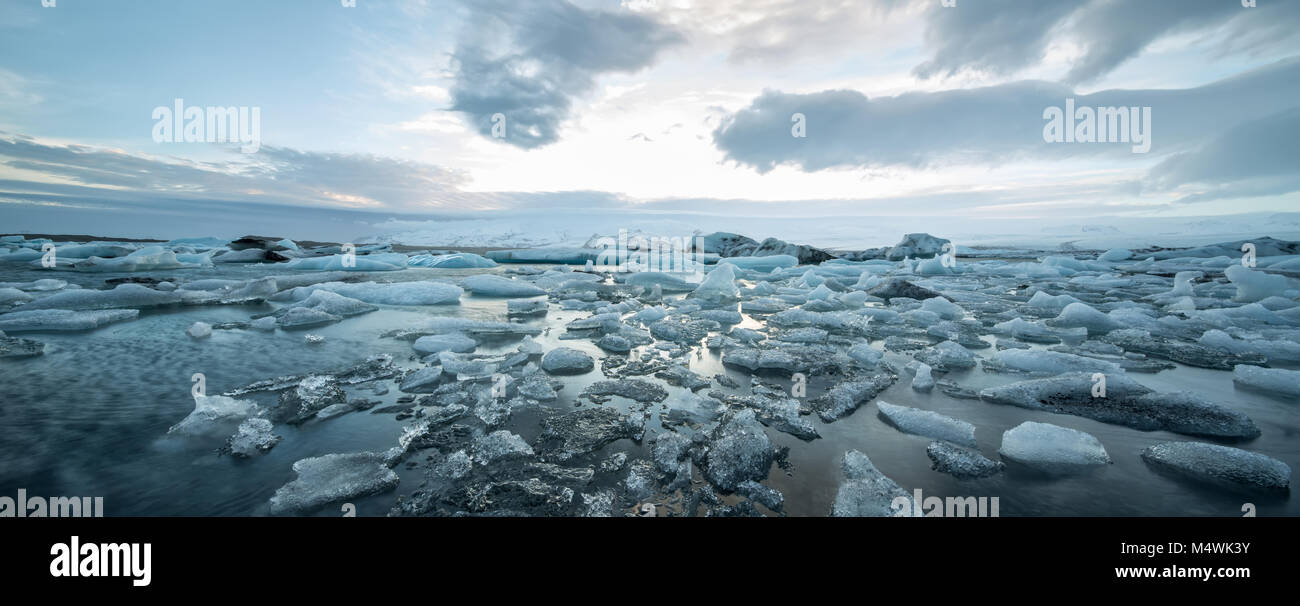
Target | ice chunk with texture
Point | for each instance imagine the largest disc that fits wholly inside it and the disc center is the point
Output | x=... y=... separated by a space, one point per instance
x=1052 y=449
x=1276 y=380
x=565 y=360
x=865 y=492
x=254 y=437
x=1255 y=285
x=928 y=423
x=63 y=319
x=396 y=293
x=214 y=416
x=453 y=342
x=719 y=285
x=332 y=478
x=354 y=262
x=124 y=295
x=1222 y=466
x=451 y=261
x=961 y=463
x=490 y=285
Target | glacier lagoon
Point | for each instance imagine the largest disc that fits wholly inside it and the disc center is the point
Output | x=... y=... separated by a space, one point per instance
x=683 y=407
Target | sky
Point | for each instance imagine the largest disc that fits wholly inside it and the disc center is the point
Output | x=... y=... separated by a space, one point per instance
x=395 y=109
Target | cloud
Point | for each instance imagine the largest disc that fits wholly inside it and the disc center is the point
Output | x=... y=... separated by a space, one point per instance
x=529 y=61
x=778 y=30
x=1004 y=36
x=989 y=125
x=274 y=174
x=998 y=36
x=1256 y=158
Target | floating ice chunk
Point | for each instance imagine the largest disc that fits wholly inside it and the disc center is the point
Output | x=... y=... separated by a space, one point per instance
x=453 y=342
x=422 y=380
x=498 y=445
x=354 y=262
x=1255 y=285
x=633 y=389
x=396 y=293
x=1276 y=380
x=916 y=246
x=125 y=295
x=491 y=285
x=247 y=255
x=1116 y=254
x=13 y=296
x=21 y=256
x=1222 y=466
x=332 y=478
x=86 y=251
x=214 y=416
x=1042 y=300
x=961 y=463
x=526 y=306
x=303 y=317
x=865 y=354
x=331 y=303
x=1081 y=315
x=199 y=330
x=898 y=287
x=267 y=323
x=928 y=423
x=665 y=281
x=254 y=437
x=865 y=492
x=739 y=450
x=567 y=361
x=1183 y=283
x=1273 y=351
x=63 y=319
x=944 y=308
x=451 y=261
x=1048 y=362
x=565 y=255
x=945 y=356
x=13 y=347
x=718 y=285
x=762 y=264
x=1051 y=448
x=615 y=344
x=923 y=380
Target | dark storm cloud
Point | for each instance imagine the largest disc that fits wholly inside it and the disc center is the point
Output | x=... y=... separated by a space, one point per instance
x=529 y=60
